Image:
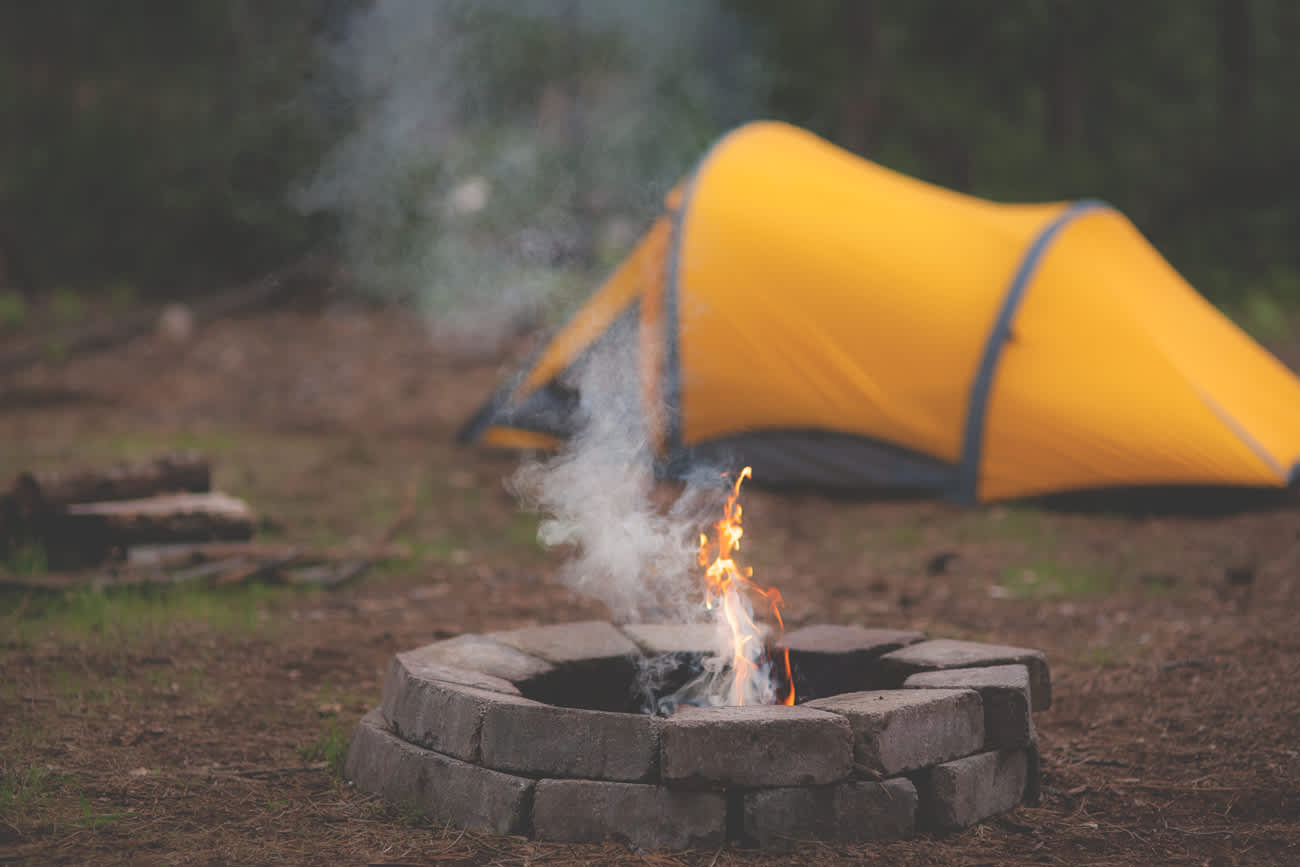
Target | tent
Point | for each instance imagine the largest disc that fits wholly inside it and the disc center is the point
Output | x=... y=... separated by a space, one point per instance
x=837 y=324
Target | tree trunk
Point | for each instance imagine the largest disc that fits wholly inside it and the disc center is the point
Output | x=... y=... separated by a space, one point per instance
x=1065 y=87
x=860 y=106
x=1236 y=70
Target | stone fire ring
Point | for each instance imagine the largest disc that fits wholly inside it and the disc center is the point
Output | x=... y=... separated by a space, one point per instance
x=531 y=732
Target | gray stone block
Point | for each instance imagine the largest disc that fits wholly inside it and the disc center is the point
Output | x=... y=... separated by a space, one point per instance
x=418 y=664
x=440 y=715
x=946 y=653
x=840 y=813
x=561 y=643
x=754 y=745
x=960 y=793
x=827 y=659
x=1004 y=690
x=658 y=639
x=652 y=817
x=482 y=654
x=443 y=788
x=832 y=639
x=895 y=731
x=1033 y=771
x=547 y=740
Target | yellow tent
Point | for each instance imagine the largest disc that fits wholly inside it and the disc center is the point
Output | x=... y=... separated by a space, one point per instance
x=832 y=322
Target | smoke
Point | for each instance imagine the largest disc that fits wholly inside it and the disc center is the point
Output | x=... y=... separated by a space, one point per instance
x=597 y=497
x=640 y=561
x=504 y=153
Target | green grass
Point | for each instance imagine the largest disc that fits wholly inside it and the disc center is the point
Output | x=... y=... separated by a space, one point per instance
x=13 y=310
x=1052 y=580
x=27 y=559
x=68 y=305
x=25 y=788
x=55 y=349
x=131 y=615
x=1108 y=655
x=33 y=795
x=1263 y=317
x=522 y=531
x=122 y=295
x=147 y=445
x=330 y=746
x=1003 y=524
x=92 y=821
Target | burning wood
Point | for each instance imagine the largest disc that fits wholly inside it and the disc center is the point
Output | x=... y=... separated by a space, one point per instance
x=740 y=673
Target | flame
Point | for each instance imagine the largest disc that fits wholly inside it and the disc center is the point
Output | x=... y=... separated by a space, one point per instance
x=727 y=590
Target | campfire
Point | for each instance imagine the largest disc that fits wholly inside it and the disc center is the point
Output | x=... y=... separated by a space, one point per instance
x=697 y=735
x=740 y=670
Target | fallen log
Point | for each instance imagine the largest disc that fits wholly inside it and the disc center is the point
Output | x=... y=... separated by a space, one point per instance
x=171 y=555
x=223 y=564
x=211 y=516
x=25 y=517
x=187 y=472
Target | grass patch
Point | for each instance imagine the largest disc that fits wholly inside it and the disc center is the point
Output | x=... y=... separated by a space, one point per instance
x=13 y=310
x=68 y=305
x=140 y=446
x=1052 y=580
x=1003 y=524
x=25 y=788
x=1108 y=655
x=522 y=531
x=1263 y=317
x=130 y=615
x=89 y=820
x=330 y=746
x=906 y=537
x=55 y=349
x=122 y=295
x=27 y=559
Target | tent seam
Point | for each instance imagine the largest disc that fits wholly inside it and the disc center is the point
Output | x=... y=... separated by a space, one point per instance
x=967 y=489
x=676 y=456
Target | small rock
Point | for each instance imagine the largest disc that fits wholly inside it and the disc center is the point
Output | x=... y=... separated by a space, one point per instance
x=176 y=323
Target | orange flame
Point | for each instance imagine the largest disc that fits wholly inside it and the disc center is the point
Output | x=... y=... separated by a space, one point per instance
x=726 y=588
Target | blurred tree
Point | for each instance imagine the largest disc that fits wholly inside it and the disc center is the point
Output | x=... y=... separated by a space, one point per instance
x=151 y=142
x=157 y=141
x=1171 y=110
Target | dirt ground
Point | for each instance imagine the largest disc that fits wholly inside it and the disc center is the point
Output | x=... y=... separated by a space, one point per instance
x=196 y=726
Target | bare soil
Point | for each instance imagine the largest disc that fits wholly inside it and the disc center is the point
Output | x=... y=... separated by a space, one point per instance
x=195 y=726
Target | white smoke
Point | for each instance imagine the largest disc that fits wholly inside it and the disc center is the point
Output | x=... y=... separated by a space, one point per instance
x=596 y=495
x=638 y=559
x=504 y=153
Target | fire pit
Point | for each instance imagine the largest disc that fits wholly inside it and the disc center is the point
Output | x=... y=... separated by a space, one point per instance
x=562 y=733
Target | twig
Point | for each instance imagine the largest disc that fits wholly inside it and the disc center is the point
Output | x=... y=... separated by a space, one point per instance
x=230 y=563
x=266 y=773
x=1195 y=662
x=183 y=554
x=264 y=568
x=354 y=569
x=404 y=516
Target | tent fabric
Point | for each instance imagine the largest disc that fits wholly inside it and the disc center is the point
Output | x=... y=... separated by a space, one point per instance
x=836 y=323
